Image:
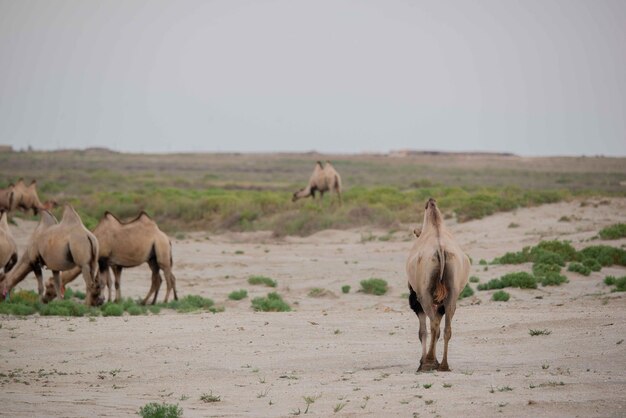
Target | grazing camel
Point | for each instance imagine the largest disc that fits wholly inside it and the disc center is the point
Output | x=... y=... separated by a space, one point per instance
x=8 y=247
x=59 y=247
x=324 y=178
x=129 y=245
x=437 y=271
x=25 y=198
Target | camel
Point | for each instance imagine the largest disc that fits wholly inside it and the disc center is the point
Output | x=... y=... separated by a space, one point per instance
x=8 y=247
x=59 y=246
x=6 y=198
x=25 y=198
x=437 y=271
x=129 y=245
x=324 y=178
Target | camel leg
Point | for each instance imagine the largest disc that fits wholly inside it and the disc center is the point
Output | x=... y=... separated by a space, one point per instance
x=39 y=276
x=117 y=271
x=170 y=281
x=93 y=287
x=431 y=363
x=443 y=367
x=421 y=315
x=56 y=280
x=105 y=279
x=16 y=276
x=156 y=283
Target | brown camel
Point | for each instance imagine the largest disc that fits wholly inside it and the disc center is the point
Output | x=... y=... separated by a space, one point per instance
x=129 y=245
x=437 y=271
x=59 y=247
x=24 y=198
x=6 y=198
x=8 y=247
x=324 y=178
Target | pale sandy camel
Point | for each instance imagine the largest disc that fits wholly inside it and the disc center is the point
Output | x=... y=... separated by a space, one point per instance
x=23 y=197
x=59 y=247
x=8 y=247
x=437 y=271
x=129 y=245
x=324 y=178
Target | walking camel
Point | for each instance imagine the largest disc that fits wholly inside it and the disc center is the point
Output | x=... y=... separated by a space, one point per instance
x=437 y=271
x=8 y=247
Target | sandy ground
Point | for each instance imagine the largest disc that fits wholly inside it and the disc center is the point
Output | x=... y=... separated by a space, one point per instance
x=352 y=352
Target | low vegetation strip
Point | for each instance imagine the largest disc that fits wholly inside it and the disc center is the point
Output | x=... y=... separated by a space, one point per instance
x=23 y=303
x=615 y=231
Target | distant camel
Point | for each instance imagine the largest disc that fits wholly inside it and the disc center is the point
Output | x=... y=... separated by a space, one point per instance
x=59 y=247
x=8 y=247
x=324 y=178
x=437 y=271
x=124 y=245
x=25 y=198
x=6 y=198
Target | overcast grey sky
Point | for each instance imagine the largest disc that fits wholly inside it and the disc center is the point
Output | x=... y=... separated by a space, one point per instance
x=530 y=77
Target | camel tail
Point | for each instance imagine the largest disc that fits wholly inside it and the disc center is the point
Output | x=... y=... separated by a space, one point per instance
x=441 y=289
x=171 y=259
x=93 y=263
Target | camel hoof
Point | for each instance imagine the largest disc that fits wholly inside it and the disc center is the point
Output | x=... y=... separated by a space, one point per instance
x=428 y=366
x=443 y=368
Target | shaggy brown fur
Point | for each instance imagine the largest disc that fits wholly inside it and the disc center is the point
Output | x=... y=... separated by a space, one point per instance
x=437 y=271
x=59 y=247
x=8 y=247
x=129 y=244
x=324 y=178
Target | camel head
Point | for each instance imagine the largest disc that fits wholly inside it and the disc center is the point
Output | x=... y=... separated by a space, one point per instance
x=433 y=219
x=417 y=232
x=296 y=195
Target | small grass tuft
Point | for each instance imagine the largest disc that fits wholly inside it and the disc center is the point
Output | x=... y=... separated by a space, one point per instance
x=210 y=397
x=272 y=303
x=374 y=286
x=466 y=292
x=262 y=280
x=156 y=410
x=345 y=288
x=579 y=268
x=534 y=332
x=474 y=279
x=238 y=294
x=500 y=296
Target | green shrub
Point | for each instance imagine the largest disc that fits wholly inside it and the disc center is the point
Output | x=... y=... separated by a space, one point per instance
x=112 y=309
x=579 y=268
x=620 y=284
x=547 y=257
x=18 y=309
x=238 y=294
x=615 y=231
x=345 y=288
x=609 y=280
x=562 y=248
x=592 y=264
x=466 y=292
x=474 y=279
x=63 y=308
x=500 y=296
x=136 y=310
x=553 y=279
x=482 y=262
x=155 y=410
x=154 y=309
x=255 y=280
x=272 y=303
x=374 y=286
x=541 y=269
x=605 y=255
x=515 y=258
x=522 y=280
x=191 y=303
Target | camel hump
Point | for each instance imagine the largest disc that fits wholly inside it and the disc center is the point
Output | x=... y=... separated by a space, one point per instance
x=47 y=219
x=319 y=163
x=33 y=183
x=70 y=216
